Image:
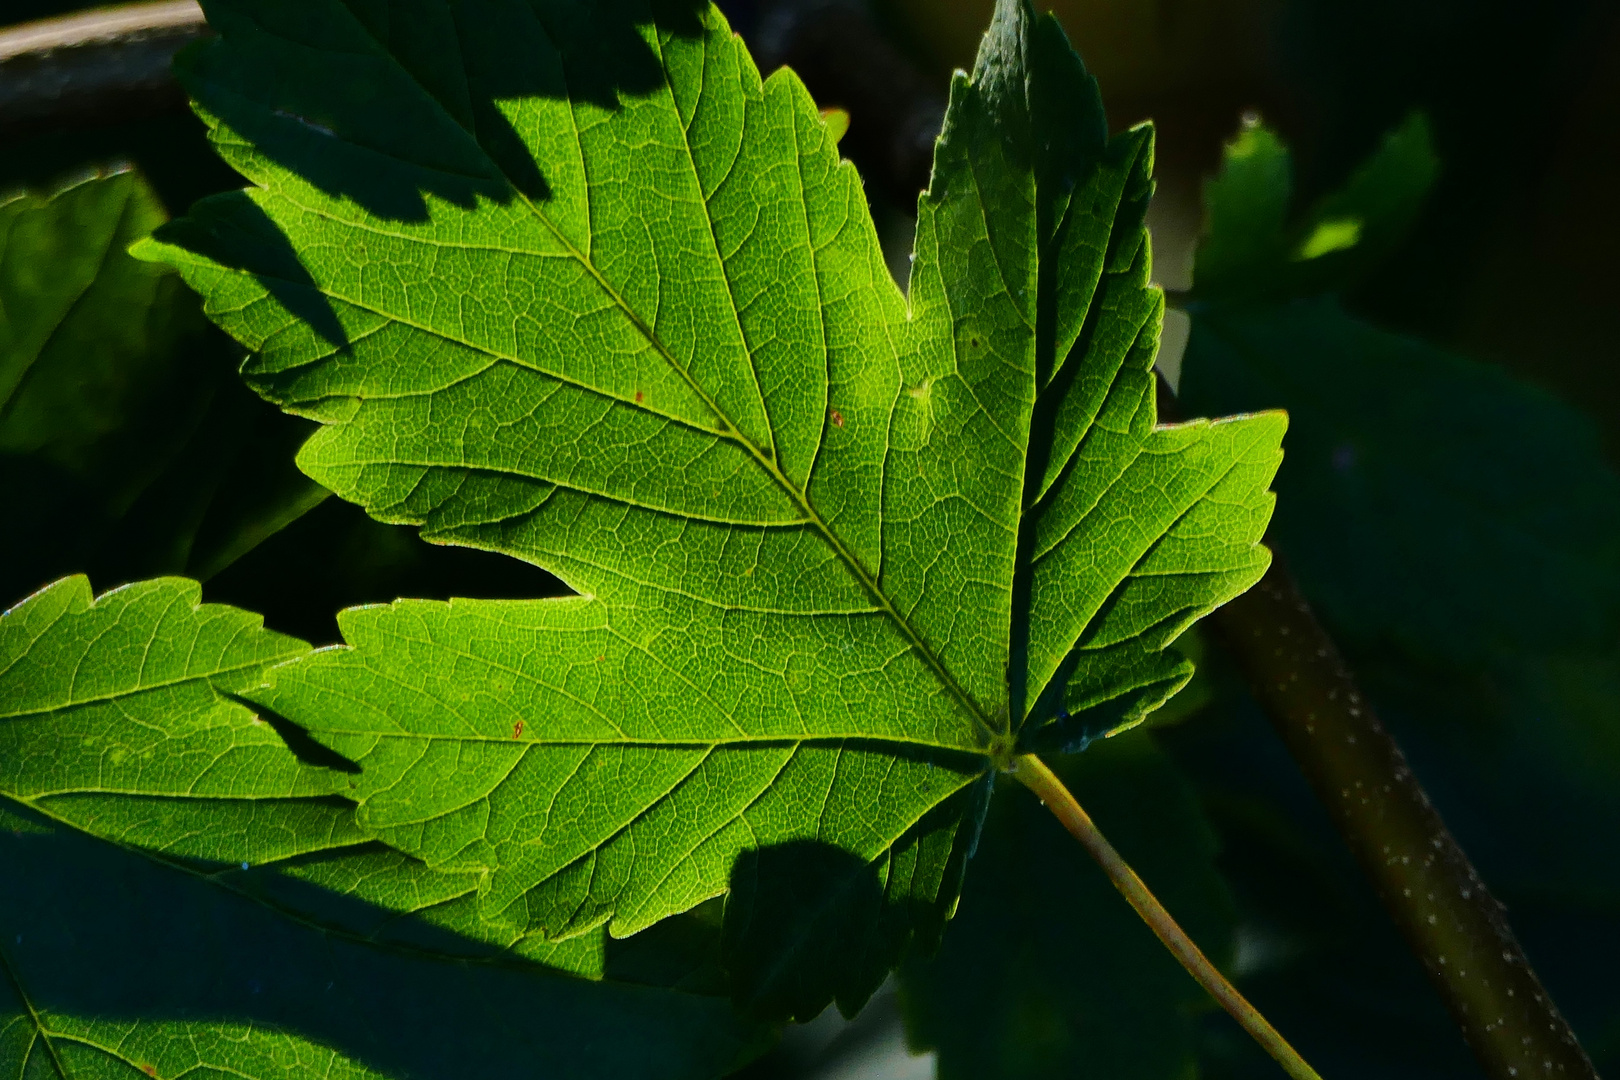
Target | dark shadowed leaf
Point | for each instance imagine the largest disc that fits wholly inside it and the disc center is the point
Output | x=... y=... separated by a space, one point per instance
x=1046 y=972
x=127 y=445
x=1459 y=530
x=119 y=718
x=1431 y=498
x=117 y=966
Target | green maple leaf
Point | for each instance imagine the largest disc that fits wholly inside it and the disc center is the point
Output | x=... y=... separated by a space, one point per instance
x=119 y=719
x=588 y=291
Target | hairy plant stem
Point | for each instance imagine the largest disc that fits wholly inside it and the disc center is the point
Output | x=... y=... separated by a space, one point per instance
x=1457 y=929
x=1450 y=921
x=1035 y=775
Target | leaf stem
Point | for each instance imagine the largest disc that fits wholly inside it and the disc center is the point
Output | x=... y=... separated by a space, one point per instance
x=1035 y=775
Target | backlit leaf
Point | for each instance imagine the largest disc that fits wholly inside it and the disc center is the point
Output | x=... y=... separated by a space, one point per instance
x=119 y=719
x=589 y=291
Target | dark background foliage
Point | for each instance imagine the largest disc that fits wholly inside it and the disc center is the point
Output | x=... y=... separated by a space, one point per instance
x=1448 y=504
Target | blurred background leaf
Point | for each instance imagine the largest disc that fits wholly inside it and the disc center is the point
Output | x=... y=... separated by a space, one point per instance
x=1252 y=247
x=127 y=444
x=1434 y=502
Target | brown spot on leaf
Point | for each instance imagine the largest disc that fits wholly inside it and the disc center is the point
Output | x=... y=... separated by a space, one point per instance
x=517 y=730
x=149 y=1070
x=838 y=418
x=638 y=395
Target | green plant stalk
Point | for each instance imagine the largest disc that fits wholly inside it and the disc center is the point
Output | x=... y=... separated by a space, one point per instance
x=1450 y=920
x=1034 y=774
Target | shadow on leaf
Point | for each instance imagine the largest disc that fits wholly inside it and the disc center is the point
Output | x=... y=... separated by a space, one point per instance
x=365 y=102
x=98 y=935
x=808 y=923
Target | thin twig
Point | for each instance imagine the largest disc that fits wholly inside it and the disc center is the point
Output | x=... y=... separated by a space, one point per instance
x=95 y=67
x=1449 y=919
x=1034 y=774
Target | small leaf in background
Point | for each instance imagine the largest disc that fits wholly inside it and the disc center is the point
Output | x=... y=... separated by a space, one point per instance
x=127 y=446
x=1254 y=246
x=1046 y=972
